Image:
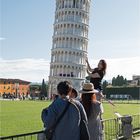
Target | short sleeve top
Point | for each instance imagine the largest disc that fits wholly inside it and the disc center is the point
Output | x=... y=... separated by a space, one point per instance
x=97 y=81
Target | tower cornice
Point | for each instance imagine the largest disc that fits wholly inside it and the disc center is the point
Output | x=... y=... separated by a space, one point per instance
x=69 y=49
x=69 y=35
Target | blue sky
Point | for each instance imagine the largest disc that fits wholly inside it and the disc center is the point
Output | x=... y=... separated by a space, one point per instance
x=27 y=28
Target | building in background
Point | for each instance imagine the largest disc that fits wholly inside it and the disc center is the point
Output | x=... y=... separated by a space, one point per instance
x=135 y=80
x=70 y=43
x=15 y=87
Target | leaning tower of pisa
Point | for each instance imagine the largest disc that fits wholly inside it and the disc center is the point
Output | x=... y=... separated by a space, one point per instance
x=70 y=42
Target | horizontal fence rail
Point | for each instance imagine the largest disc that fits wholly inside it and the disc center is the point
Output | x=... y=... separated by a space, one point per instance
x=112 y=130
x=27 y=136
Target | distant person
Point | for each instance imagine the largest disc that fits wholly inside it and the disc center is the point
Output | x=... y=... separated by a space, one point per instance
x=93 y=111
x=68 y=128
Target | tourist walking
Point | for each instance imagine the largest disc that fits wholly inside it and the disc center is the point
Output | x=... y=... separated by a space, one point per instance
x=93 y=111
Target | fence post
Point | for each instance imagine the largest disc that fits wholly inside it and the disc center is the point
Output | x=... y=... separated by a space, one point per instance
x=127 y=130
x=117 y=128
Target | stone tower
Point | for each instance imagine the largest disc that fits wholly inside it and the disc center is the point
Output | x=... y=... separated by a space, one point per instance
x=70 y=42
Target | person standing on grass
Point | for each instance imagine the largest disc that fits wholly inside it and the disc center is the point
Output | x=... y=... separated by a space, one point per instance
x=68 y=127
x=93 y=111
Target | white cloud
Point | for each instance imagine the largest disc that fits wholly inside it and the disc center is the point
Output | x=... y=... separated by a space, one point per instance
x=35 y=70
x=28 y=69
x=2 y=38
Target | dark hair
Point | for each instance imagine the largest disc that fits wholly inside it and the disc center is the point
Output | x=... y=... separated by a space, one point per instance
x=104 y=64
x=87 y=101
x=75 y=92
x=63 y=88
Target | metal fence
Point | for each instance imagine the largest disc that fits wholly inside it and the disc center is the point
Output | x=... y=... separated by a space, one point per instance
x=27 y=136
x=112 y=130
x=113 y=127
x=136 y=122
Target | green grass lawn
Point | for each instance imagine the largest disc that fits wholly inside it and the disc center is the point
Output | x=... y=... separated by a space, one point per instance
x=123 y=109
x=17 y=117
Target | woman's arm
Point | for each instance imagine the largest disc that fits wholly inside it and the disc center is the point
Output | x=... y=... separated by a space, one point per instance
x=95 y=75
x=88 y=66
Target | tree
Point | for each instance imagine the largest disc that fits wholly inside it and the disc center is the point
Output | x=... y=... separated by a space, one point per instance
x=119 y=81
x=43 y=92
x=125 y=81
x=105 y=84
x=113 y=81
